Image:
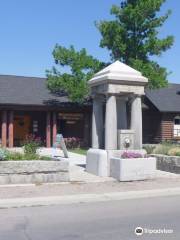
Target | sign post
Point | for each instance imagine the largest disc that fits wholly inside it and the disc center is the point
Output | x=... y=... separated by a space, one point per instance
x=61 y=143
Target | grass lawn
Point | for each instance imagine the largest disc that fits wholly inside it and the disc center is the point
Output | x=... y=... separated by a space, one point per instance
x=81 y=151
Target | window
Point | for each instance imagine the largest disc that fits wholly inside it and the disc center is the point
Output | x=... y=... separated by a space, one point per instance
x=35 y=126
x=177 y=126
x=176 y=121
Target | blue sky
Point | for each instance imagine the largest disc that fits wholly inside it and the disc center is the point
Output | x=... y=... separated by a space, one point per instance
x=30 y=29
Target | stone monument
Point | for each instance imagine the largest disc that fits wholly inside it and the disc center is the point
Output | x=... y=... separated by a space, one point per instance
x=117 y=114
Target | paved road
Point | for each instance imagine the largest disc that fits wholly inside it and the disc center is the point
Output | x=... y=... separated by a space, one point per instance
x=93 y=221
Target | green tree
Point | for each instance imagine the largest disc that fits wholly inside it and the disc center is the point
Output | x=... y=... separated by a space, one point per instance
x=132 y=37
x=80 y=68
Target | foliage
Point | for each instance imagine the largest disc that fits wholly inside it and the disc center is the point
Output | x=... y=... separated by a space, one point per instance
x=178 y=154
x=149 y=148
x=44 y=158
x=156 y=75
x=81 y=151
x=164 y=148
x=14 y=156
x=132 y=37
x=129 y=154
x=3 y=154
x=81 y=68
x=174 y=151
x=31 y=144
x=17 y=156
x=72 y=142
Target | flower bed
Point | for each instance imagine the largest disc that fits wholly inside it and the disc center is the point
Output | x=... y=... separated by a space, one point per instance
x=120 y=164
x=129 y=154
x=132 y=166
x=6 y=155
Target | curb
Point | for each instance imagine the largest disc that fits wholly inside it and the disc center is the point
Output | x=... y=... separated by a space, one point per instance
x=86 y=198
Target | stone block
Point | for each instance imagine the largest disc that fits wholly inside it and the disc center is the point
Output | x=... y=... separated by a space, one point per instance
x=132 y=169
x=33 y=166
x=22 y=172
x=97 y=162
x=123 y=136
x=168 y=163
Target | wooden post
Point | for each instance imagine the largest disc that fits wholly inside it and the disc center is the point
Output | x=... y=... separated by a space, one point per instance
x=4 y=129
x=54 y=126
x=86 y=130
x=48 y=130
x=11 y=129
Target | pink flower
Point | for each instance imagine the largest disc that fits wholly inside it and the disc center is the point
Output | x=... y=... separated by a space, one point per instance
x=131 y=155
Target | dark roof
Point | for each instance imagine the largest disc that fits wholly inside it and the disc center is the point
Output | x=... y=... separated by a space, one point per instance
x=32 y=91
x=165 y=99
x=18 y=90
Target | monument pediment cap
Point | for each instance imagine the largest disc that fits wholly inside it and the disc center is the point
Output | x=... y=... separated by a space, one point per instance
x=118 y=72
x=118 y=67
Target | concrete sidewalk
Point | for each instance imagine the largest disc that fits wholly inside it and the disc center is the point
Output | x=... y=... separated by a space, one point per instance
x=86 y=198
x=84 y=185
x=74 y=192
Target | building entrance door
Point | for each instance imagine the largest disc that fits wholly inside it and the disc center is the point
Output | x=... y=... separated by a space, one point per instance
x=22 y=126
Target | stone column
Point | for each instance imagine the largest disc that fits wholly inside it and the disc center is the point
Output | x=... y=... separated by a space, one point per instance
x=136 y=121
x=48 y=130
x=121 y=113
x=11 y=129
x=54 y=127
x=97 y=123
x=111 y=123
x=4 y=129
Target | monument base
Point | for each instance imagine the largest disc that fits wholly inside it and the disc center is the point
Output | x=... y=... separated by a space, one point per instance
x=132 y=169
x=98 y=160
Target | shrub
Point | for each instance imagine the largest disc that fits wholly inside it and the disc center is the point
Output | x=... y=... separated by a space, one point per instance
x=131 y=155
x=3 y=154
x=162 y=148
x=149 y=148
x=72 y=142
x=9 y=155
x=174 y=151
x=14 y=156
x=31 y=156
x=44 y=158
x=31 y=144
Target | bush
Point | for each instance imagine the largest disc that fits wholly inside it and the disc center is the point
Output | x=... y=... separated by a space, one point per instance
x=31 y=144
x=3 y=154
x=174 y=151
x=8 y=155
x=14 y=156
x=31 y=156
x=44 y=158
x=149 y=148
x=162 y=148
x=72 y=142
